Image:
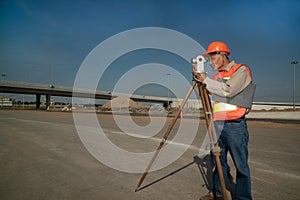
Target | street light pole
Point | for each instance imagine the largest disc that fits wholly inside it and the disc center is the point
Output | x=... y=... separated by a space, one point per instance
x=294 y=90
x=168 y=75
x=3 y=75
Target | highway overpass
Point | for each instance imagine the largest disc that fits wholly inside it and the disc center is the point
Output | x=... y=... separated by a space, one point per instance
x=53 y=90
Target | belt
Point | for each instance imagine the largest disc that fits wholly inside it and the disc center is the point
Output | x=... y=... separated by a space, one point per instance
x=235 y=120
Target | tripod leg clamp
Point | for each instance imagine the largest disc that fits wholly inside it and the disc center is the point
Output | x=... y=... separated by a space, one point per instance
x=216 y=149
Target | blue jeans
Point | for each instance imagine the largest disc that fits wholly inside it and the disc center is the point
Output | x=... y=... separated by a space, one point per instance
x=234 y=139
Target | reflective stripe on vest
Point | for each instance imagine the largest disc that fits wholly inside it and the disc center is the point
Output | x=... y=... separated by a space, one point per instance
x=218 y=107
x=225 y=111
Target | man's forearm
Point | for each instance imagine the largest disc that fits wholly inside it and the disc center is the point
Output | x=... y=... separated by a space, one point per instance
x=233 y=86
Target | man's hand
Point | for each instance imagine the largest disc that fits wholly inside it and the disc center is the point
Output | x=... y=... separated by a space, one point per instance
x=199 y=77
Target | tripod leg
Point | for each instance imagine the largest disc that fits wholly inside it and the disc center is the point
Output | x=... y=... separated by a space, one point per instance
x=207 y=108
x=165 y=137
x=220 y=171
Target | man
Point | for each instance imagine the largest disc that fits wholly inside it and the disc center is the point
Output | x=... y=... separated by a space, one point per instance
x=234 y=82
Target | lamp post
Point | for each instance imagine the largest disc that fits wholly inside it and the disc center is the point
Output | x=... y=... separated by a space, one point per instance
x=3 y=75
x=168 y=75
x=294 y=62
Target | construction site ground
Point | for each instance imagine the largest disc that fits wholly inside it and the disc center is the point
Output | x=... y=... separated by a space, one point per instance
x=42 y=157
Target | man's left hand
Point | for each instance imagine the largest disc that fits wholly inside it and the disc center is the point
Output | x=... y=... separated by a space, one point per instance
x=200 y=77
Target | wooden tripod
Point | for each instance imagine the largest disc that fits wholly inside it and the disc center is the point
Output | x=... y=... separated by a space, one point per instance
x=208 y=114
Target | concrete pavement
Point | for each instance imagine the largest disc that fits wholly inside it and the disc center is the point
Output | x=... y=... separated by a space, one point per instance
x=42 y=157
x=275 y=115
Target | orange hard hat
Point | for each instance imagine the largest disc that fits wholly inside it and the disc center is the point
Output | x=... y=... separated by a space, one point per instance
x=215 y=47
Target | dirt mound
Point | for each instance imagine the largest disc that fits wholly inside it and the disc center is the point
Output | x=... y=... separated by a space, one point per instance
x=122 y=102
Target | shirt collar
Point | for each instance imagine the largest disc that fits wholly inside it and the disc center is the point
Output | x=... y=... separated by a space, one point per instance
x=227 y=68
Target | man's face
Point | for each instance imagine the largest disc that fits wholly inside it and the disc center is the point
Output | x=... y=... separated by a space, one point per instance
x=216 y=61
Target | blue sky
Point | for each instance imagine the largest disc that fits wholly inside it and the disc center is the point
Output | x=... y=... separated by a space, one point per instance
x=46 y=41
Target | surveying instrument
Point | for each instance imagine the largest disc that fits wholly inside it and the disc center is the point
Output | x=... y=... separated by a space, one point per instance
x=198 y=62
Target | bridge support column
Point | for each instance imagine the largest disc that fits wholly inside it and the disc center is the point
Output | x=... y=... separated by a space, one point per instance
x=38 y=101
x=48 y=97
x=167 y=104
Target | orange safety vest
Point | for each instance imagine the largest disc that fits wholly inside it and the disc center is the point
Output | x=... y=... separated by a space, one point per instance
x=226 y=111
